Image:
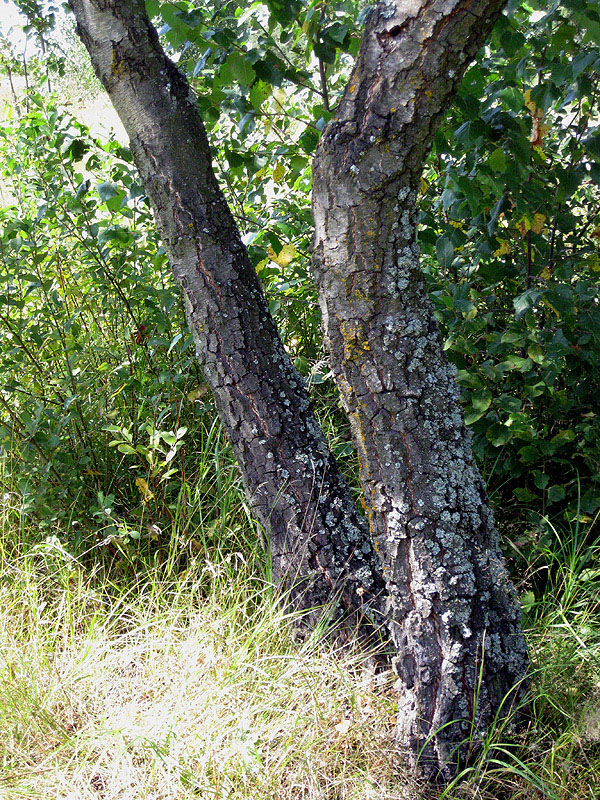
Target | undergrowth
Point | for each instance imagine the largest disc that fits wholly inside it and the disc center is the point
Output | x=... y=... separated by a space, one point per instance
x=143 y=653
x=187 y=679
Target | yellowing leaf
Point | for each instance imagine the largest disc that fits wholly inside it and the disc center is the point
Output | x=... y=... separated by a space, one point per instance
x=286 y=255
x=546 y=274
x=524 y=225
x=538 y=130
x=534 y=224
x=551 y=307
x=197 y=394
x=262 y=264
x=278 y=172
x=424 y=186
x=280 y=98
x=144 y=489
x=504 y=249
x=258 y=176
x=538 y=223
x=529 y=102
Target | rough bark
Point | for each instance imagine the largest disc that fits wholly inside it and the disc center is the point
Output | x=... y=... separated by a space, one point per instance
x=454 y=619
x=319 y=543
x=452 y=614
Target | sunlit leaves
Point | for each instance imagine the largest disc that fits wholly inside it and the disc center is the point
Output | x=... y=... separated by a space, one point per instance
x=516 y=168
x=87 y=314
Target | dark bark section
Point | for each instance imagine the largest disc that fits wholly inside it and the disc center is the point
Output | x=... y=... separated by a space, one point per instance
x=454 y=618
x=319 y=544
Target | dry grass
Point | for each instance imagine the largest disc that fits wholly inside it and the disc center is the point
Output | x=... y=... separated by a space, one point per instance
x=176 y=692
x=198 y=687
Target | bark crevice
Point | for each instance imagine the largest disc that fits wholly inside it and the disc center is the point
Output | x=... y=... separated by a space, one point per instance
x=454 y=618
x=428 y=566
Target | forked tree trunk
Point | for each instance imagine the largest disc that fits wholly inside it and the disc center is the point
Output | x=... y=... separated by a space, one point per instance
x=454 y=619
x=448 y=601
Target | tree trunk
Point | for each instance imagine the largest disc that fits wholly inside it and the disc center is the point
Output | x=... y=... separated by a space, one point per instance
x=454 y=619
x=319 y=543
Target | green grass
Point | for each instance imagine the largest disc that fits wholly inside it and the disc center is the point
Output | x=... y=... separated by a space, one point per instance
x=195 y=686
x=191 y=681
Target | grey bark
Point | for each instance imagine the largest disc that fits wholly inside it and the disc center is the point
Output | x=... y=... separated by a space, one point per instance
x=454 y=618
x=319 y=544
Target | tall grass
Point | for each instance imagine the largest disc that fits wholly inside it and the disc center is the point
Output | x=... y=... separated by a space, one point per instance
x=191 y=681
x=195 y=686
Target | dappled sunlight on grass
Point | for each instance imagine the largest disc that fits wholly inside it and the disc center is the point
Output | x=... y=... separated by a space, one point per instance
x=198 y=685
x=173 y=692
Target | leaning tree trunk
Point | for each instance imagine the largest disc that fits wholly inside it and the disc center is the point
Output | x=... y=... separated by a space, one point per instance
x=454 y=619
x=319 y=544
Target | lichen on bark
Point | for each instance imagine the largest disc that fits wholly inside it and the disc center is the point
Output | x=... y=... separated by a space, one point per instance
x=453 y=615
x=438 y=582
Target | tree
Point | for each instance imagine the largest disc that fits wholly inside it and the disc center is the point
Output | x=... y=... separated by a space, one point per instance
x=428 y=567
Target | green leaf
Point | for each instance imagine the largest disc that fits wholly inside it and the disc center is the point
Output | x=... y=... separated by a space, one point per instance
x=325 y=50
x=152 y=8
x=536 y=353
x=240 y=68
x=259 y=92
x=77 y=149
x=337 y=32
x=497 y=160
x=115 y=234
x=445 y=251
x=285 y=11
x=556 y=493
x=82 y=189
x=461 y=300
x=526 y=300
x=481 y=400
x=562 y=438
x=501 y=206
x=529 y=454
x=126 y=448
x=527 y=601
x=524 y=495
x=107 y=191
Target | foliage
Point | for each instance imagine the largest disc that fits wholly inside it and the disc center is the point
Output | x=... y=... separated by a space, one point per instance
x=510 y=231
x=509 y=223
x=99 y=381
x=110 y=445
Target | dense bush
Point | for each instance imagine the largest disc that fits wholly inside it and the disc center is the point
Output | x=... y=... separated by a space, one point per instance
x=511 y=226
x=102 y=402
x=99 y=384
